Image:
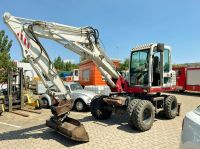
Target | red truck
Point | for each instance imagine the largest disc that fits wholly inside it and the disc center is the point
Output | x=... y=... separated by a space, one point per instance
x=187 y=78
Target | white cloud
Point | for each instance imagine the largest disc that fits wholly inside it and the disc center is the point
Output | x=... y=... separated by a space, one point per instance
x=69 y=60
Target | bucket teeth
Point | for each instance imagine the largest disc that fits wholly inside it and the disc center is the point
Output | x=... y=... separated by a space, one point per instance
x=70 y=128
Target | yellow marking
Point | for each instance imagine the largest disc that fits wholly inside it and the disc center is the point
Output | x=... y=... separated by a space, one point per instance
x=37 y=103
x=2 y=107
x=28 y=98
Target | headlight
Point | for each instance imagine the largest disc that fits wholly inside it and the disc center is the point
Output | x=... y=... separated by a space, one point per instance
x=89 y=99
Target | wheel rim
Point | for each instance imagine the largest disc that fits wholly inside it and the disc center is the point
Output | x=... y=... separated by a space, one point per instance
x=146 y=118
x=79 y=105
x=99 y=112
x=45 y=102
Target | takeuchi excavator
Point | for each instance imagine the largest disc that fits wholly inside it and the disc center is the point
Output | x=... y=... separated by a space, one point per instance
x=138 y=92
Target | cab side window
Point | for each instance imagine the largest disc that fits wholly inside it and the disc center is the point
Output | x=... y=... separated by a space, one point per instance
x=166 y=61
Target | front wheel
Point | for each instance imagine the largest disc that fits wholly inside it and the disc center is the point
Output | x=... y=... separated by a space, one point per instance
x=143 y=115
x=98 y=108
x=130 y=109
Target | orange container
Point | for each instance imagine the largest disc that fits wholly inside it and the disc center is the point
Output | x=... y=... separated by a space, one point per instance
x=90 y=75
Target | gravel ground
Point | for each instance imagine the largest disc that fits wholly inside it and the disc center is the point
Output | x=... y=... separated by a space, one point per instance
x=30 y=132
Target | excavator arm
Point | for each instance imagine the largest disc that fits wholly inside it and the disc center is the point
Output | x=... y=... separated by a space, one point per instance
x=84 y=41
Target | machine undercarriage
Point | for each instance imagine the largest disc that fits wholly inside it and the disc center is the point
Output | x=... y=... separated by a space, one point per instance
x=141 y=108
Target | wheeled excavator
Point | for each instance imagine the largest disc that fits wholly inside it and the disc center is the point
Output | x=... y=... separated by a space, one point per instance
x=138 y=92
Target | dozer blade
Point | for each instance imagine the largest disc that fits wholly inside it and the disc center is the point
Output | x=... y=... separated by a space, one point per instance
x=70 y=128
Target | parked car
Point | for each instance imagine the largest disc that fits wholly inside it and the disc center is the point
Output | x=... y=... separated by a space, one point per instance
x=190 y=136
x=81 y=98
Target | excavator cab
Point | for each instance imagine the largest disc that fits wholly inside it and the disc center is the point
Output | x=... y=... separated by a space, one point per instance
x=151 y=67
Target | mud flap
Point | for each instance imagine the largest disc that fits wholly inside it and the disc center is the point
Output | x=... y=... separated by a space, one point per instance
x=179 y=109
x=70 y=128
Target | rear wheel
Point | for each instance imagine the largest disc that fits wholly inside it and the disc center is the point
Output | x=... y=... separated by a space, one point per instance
x=98 y=108
x=170 y=107
x=130 y=109
x=143 y=115
x=80 y=105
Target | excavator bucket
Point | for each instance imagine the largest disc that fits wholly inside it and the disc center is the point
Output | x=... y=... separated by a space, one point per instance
x=65 y=125
x=70 y=128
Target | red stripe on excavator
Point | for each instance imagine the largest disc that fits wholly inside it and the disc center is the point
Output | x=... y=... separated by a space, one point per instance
x=21 y=36
x=28 y=46
x=24 y=41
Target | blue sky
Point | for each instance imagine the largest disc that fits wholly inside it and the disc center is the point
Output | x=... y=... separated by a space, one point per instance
x=122 y=24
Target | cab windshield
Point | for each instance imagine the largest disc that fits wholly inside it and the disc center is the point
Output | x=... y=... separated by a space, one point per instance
x=139 y=67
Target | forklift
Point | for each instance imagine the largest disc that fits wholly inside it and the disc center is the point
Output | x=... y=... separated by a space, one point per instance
x=13 y=97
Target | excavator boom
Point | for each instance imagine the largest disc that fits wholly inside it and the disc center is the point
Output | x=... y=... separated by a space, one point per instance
x=81 y=40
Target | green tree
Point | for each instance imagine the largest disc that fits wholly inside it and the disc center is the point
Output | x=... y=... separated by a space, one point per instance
x=5 y=44
x=5 y=59
x=68 y=66
x=124 y=65
x=74 y=66
x=60 y=65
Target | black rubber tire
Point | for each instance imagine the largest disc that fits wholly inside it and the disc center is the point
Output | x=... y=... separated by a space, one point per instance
x=98 y=110
x=130 y=109
x=181 y=91
x=84 y=106
x=170 y=107
x=158 y=94
x=140 y=121
x=45 y=103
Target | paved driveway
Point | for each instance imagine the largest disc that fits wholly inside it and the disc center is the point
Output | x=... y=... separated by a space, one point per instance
x=20 y=132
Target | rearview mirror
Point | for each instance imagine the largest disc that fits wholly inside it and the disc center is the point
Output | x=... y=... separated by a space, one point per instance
x=160 y=47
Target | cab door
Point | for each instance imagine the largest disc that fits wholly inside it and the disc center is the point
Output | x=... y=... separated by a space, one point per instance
x=169 y=76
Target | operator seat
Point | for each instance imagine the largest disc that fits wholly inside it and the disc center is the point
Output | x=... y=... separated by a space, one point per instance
x=156 y=71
